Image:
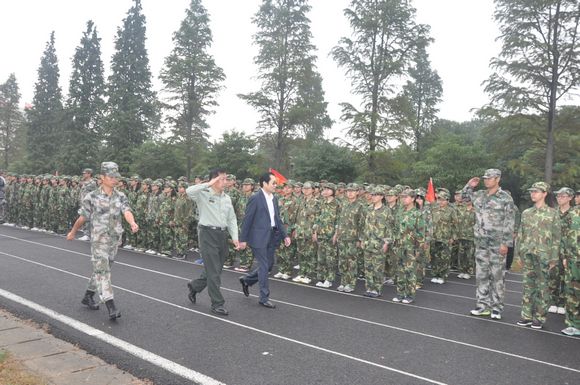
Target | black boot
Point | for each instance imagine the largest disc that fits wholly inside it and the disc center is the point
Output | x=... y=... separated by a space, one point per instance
x=90 y=301
x=113 y=312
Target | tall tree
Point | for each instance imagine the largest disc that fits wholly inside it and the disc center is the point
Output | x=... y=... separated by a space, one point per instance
x=539 y=62
x=192 y=80
x=286 y=67
x=45 y=131
x=384 y=39
x=132 y=106
x=85 y=104
x=423 y=92
x=11 y=120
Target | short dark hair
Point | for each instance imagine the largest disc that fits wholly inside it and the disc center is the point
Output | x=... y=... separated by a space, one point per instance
x=265 y=178
x=215 y=172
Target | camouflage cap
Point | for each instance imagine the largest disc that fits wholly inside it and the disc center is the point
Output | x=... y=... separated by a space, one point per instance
x=88 y=170
x=182 y=179
x=316 y=185
x=565 y=190
x=352 y=187
x=182 y=184
x=136 y=177
x=341 y=185
x=110 y=169
x=330 y=186
x=230 y=177
x=147 y=181
x=299 y=184
x=443 y=193
x=492 y=173
x=157 y=182
x=248 y=181
x=459 y=191
x=170 y=184
x=392 y=192
x=377 y=190
x=408 y=192
x=421 y=192
x=540 y=186
x=308 y=184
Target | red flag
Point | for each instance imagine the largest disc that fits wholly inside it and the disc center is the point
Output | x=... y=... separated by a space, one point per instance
x=281 y=179
x=430 y=191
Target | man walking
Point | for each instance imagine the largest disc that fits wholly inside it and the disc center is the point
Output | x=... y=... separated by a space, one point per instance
x=263 y=230
x=493 y=234
x=216 y=219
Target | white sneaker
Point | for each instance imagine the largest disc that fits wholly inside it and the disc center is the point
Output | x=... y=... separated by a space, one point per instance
x=561 y=310
x=278 y=275
x=553 y=309
x=139 y=250
x=407 y=300
x=348 y=289
x=466 y=276
x=397 y=299
x=84 y=238
x=298 y=278
x=319 y=284
x=128 y=247
x=327 y=284
x=434 y=280
x=440 y=281
x=340 y=288
x=297 y=267
x=285 y=276
x=389 y=281
x=306 y=280
x=495 y=315
x=25 y=228
x=34 y=229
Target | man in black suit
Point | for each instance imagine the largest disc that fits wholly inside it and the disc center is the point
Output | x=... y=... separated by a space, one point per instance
x=263 y=230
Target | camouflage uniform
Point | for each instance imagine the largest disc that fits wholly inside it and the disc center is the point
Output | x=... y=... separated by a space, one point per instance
x=288 y=206
x=494 y=226
x=423 y=254
x=348 y=230
x=246 y=256
x=537 y=246
x=556 y=281
x=443 y=235
x=183 y=217
x=325 y=228
x=154 y=203
x=140 y=209
x=571 y=244
x=464 y=232
x=164 y=221
x=306 y=216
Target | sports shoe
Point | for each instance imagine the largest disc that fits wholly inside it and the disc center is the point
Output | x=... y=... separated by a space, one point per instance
x=149 y=251
x=298 y=278
x=407 y=300
x=326 y=284
x=179 y=257
x=434 y=280
x=553 y=309
x=571 y=331
x=524 y=322
x=84 y=238
x=128 y=247
x=297 y=267
x=460 y=275
x=561 y=310
x=536 y=324
x=466 y=276
x=286 y=276
x=319 y=284
x=389 y=281
x=277 y=275
x=397 y=299
x=306 y=280
x=198 y=262
x=226 y=266
x=495 y=315
x=481 y=312
x=440 y=281
x=373 y=294
x=348 y=289
x=340 y=288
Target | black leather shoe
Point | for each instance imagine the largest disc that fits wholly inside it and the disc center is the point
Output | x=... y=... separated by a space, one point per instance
x=219 y=310
x=113 y=312
x=268 y=304
x=192 y=293
x=89 y=300
x=245 y=287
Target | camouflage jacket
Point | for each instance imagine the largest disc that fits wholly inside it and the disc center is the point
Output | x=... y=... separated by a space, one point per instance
x=409 y=229
x=444 y=219
x=240 y=207
x=325 y=223
x=166 y=212
x=87 y=187
x=350 y=221
x=565 y=222
x=539 y=234
x=465 y=216
x=140 y=209
x=494 y=216
x=105 y=214
x=571 y=236
x=375 y=231
x=306 y=217
x=183 y=210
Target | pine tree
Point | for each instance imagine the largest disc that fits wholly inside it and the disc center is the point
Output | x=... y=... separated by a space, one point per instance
x=192 y=80
x=132 y=106
x=11 y=121
x=85 y=104
x=45 y=132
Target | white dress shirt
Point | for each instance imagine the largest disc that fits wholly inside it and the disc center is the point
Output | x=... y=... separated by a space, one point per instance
x=270 y=203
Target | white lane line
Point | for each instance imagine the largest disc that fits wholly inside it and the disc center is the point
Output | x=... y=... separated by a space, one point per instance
x=141 y=353
x=136 y=351
x=328 y=313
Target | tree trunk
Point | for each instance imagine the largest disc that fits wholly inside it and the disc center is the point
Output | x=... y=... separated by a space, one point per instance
x=549 y=162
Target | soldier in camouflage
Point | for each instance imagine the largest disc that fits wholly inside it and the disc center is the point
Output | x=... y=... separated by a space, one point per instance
x=165 y=219
x=287 y=205
x=537 y=250
x=465 y=215
x=493 y=234
x=306 y=215
x=324 y=230
x=571 y=245
x=246 y=256
x=443 y=221
x=104 y=208
x=182 y=219
x=423 y=256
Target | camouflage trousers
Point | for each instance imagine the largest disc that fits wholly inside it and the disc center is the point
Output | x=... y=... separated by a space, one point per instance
x=465 y=256
x=440 y=258
x=152 y=240
x=181 y=239
x=535 y=295
x=141 y=235
x=573 y=293
x=374 y=269
x=102 y=255
x=232 y=252
x=285 y=255
x=326 y=260
x=489 y=278
x=556 y=283
x=166 y=235
x=406 y=271
x=422 y=261
x=391 y=263
x=246 y=257
x=348 y=255
x=306 y=250
x=11 y=212
x=2 y=210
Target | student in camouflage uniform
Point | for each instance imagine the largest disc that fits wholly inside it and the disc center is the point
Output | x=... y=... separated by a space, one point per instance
x=571 y=244
x=375 y=240
x=182 y=219
x=537 y=250
x=3 y=185
x=140 y=208
x=104 y=208
x=394 y=208
x=423 y=256
x=347 y=237
x=287 y=206
x=155 y=199
x=324 y=230
x=443 y=217
x=303 y=233
x=556 y=282
x=493 y=234
x=246 y=256
x=465 y=215
x=165 y=219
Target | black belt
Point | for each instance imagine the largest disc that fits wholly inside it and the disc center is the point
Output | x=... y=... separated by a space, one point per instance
x=213 y=227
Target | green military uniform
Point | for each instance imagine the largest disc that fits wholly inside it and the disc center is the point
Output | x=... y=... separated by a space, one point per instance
x=288 y=206
x=183 y=216
x=165 y=219
x=325 y=228
x=465 y=216
x=443 y=235
x=571 y=244
x=306 y=216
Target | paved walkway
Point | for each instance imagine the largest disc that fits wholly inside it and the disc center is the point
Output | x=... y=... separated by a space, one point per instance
x=55 y=361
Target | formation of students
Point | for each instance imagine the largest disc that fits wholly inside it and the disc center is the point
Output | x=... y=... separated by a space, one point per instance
x=386 y=235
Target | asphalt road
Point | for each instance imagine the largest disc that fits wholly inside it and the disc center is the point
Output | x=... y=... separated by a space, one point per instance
x=315 y=336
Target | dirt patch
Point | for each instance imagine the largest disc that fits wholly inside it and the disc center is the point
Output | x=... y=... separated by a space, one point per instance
x=13 y=372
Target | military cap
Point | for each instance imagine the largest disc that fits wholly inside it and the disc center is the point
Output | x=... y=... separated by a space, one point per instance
x=136 y=177
x=540 y=186
x=565 y=190
x=88 y=170
x=110 y=169
x=308 y=185
x=248 y=181
x=316 y=185
x=147 y=181
x=443 y=193
x=458 y=191
x=299 y=184
x=66 y=177
x=492 y=173
x=169 y=177
x=170 y=184
x=377 y=190
x=421 y=192
x=76 y=179
x=290 y=182
x=398 y=188
x=183 y=184
x=408 y=192
x=577 y=192
x=352 y=187
x=392 y=192
x=341 y=185
x=230 y=177
x=331 y=186
x=157 y=182
x=182 y=179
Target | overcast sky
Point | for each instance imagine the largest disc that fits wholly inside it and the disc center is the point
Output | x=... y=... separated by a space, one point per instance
x=463 y=30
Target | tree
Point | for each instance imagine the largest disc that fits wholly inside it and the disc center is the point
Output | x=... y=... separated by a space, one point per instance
x=385 y=38
x=235 y=153
x=290 y=96
x=539 y=62
x=11 y=120
x=132 y=106
x=324 y=160
x=85 y=104
x=423 y=92
x=157 y=159
x=45 y=132
x=192 y=80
